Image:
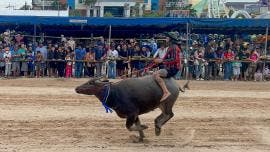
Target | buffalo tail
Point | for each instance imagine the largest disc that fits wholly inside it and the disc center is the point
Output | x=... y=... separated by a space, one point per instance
x=186 y=86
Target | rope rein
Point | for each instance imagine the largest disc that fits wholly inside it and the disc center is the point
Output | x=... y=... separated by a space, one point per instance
x=105 y=99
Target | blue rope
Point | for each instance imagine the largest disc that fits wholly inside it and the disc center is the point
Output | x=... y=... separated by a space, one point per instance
x=104 y=101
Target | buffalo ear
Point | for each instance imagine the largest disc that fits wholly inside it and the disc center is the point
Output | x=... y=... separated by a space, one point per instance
x=105 y=80
x=96 y=78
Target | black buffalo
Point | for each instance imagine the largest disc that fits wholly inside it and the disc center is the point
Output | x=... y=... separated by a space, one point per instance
x=132 y=97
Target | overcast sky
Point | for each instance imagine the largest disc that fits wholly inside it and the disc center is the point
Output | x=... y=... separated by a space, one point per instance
x=16 y=3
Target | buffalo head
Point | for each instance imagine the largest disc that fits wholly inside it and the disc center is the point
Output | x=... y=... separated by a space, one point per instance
x=92 y=87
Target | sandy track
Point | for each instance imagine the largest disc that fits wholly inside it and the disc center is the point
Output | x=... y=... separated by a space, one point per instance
x=47 y=115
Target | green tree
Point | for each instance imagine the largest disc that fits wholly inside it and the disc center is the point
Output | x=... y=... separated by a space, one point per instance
x=55 y=5
x=74 y=13
x=135 y=9
x=192 y=11
x=108 y=14
x=230 y=12
x=25 y=7
x=240 y=16
x=173 y=4
x=90 y=4
x=152 y=14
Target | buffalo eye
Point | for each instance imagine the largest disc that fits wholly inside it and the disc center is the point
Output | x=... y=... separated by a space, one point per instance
x=91 y=82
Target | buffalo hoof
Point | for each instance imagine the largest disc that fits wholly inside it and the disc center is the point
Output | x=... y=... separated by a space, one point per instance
x=157 y=131
x=138 y=128
x=136 y=139
x=140 y=139
x=144 y=127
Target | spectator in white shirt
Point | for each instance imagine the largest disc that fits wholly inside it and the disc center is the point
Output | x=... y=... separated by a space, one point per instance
x=161 y=52
x=7 y=57
x=159 y=55
x=112 y=57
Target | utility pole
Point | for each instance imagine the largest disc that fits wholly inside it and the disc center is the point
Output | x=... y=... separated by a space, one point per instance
x=43 y=3
x=58 y=6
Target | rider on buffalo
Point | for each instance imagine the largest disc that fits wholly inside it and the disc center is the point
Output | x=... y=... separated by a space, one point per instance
x=170 y=62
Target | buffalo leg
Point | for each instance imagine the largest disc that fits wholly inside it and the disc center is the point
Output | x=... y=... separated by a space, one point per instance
x=131 y=120
x=138 y=124
x=157 y=125
x=166 y=115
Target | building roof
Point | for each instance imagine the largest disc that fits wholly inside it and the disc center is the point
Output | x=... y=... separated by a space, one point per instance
x=242 y=1
x=264 y=16
x=238 y=5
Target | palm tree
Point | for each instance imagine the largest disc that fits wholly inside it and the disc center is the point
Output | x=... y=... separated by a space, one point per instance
x=89 y=4
x=136 y=9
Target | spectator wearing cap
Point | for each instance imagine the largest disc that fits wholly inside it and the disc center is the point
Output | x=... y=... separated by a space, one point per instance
x=171 y=62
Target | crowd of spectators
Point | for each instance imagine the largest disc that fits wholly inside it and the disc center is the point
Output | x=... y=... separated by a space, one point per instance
x=215 y=59
x=228 y=60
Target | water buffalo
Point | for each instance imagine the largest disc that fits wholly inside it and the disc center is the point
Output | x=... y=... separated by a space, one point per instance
x=132 y=97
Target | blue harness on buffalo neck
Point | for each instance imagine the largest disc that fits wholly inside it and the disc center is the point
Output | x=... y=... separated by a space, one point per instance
x=105 y=98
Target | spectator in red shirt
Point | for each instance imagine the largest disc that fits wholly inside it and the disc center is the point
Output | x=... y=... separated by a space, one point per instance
x=228 y=58
x=254 y=57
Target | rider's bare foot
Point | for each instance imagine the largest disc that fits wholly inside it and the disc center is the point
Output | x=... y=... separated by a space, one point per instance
x=165 y=96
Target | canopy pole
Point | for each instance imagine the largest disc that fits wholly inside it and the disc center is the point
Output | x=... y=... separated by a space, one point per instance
x=109 y=45
x=92 y=39
x=35 y=34
x=186 y=54
x=266 y=39
x=43 y=4
x=265 y=45
x=110 y=35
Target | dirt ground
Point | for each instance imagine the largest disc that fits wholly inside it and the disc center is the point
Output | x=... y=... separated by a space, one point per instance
x=48 y=116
